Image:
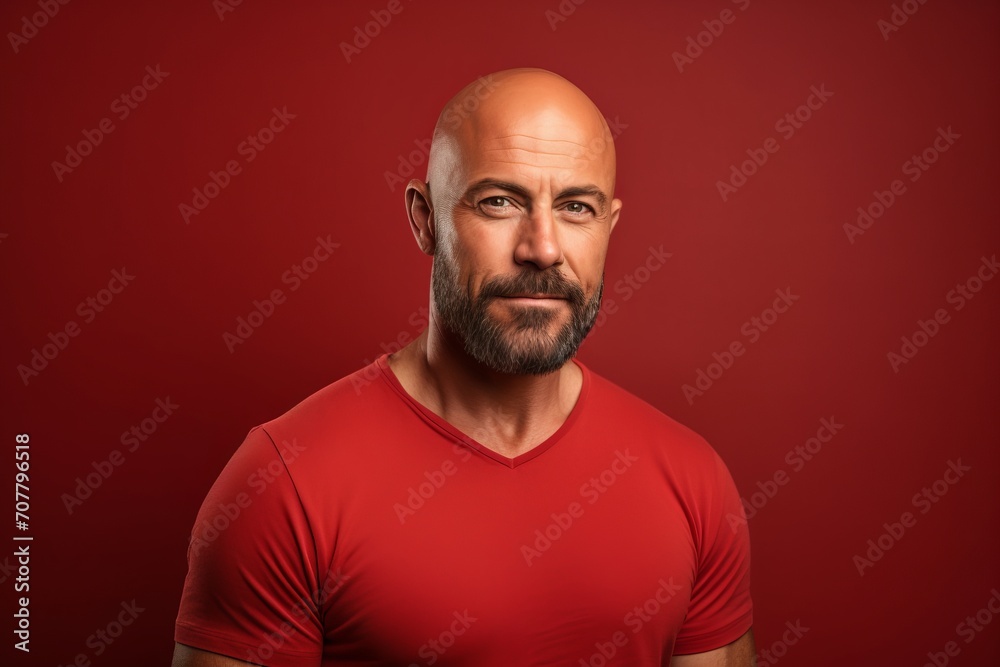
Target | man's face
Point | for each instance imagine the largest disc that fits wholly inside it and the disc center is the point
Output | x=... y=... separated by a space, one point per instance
x=527 y=212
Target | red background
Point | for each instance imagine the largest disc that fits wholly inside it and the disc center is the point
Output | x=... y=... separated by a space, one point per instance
x=325 y=174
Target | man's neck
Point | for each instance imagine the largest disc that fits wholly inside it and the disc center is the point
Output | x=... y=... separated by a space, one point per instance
x=510 y=414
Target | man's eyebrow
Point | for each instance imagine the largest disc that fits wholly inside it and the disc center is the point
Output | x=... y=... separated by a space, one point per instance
x=573 y=191
x=589 y=190
x=486 y=183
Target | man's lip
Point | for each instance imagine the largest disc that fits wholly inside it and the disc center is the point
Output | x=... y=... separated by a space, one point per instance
x=534 y=296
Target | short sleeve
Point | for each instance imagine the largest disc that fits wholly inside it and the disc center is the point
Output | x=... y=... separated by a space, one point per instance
x=251 y=586
x=721 y=609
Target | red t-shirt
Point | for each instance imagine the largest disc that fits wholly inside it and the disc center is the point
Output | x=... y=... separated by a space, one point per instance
x=359 y=528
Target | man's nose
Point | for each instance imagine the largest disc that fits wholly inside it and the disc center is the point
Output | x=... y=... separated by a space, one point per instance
x=538 y=241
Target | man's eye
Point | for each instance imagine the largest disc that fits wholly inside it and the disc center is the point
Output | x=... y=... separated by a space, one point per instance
x=577 y=207
x=497 y=202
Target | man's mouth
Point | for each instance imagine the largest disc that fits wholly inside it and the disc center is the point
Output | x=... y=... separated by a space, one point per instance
x=535 y=300
x=526 y=295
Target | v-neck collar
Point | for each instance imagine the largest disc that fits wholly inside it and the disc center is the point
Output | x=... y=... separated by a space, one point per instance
x=448 y=429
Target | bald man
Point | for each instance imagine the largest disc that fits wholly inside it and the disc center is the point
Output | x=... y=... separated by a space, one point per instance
x=481 y=498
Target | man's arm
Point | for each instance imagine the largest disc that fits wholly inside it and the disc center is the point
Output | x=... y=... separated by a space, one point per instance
x=252 y=573
x=740 y=653
x=186 y=656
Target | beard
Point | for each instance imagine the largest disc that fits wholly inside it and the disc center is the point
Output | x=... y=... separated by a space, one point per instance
x=522 y=345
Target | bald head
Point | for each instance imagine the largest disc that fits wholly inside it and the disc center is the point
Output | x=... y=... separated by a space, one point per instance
x=526 y=116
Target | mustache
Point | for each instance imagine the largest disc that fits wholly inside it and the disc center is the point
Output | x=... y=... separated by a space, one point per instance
x=533 y=283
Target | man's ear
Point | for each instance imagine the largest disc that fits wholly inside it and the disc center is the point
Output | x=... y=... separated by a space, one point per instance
x=421 y=214
x=616 y=209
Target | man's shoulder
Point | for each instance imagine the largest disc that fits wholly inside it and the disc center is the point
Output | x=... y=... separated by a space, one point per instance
x=634 y=416
x=342 y=405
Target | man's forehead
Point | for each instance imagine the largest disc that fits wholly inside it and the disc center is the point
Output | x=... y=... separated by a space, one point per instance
x=516 y=119
x=531 y=124
x=532 y=151
x=538 y=139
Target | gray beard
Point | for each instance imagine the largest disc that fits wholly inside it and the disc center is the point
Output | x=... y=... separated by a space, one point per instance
x=521 y=347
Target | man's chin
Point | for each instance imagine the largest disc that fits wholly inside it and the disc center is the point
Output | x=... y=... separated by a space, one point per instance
x=521 y=357
x=531 y=366
x=513 y=314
